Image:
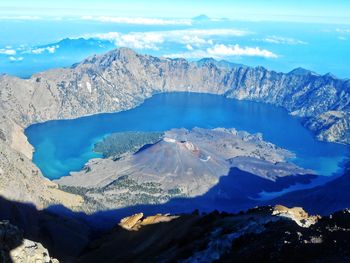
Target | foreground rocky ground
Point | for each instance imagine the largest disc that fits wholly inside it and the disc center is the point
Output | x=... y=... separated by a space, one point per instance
x=15 y=248
x=262 y=234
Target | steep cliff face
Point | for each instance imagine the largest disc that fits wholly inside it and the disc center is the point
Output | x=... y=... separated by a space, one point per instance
x=21 y=180
x=332 y=126
x=121 y=79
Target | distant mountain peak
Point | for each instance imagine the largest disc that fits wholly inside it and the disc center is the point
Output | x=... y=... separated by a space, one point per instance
x=207 y=60
x=201 y=17
x=218 y=63
x=302 y=72
x=330 y=75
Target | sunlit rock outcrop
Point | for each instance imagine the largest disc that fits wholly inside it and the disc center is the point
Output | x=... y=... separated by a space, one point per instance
x=136 y=221
x=297 y=214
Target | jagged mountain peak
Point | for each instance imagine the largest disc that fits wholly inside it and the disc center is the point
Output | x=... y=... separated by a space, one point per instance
x=124 y=51
x=119 y=53
x=105 y=60
x=330 y=75
x=302 y=72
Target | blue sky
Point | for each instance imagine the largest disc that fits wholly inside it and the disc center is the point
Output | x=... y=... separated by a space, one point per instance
x=310 y=34
x=336 y=11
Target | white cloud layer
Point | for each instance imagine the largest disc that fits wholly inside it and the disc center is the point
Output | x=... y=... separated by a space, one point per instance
x=8 y=52
x=189 y=47
x=221 y=51
x=138 y=20
x=153 y=39
x=283 y=40
x=343 y=30
x=20 y=18
x=139 y=40
x=50 y=49
x=235 y=50
x=14 y=59
x=198 y=43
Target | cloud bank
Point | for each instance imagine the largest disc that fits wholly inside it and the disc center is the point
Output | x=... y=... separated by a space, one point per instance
x=20 y=18
x=50 y=49
x=154 y=39
x=8 y=52
x=198 y=43
x=343 y=30
x=283 y=40
x=138 y=20
x=14 y=59
x=220 y=51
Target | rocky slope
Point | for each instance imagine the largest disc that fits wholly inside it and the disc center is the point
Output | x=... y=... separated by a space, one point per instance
x=332 y=126
x=261 y=234
x=121 y=79
x=21 y=180
x=264 y=234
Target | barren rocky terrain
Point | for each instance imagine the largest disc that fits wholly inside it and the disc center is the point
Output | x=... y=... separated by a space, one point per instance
x=264 y=234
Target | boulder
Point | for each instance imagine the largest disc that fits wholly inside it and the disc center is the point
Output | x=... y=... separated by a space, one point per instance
x=297 y=214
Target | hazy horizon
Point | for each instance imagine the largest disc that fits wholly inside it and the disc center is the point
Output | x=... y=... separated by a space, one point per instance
x=280 y=37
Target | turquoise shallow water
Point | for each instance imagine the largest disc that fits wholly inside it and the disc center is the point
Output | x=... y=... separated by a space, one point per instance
x=66 y=145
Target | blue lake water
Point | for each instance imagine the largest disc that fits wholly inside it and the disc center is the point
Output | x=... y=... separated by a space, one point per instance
x=66 y=145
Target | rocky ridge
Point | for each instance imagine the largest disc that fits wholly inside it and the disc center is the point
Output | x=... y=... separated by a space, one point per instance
x=122 y=79
x=256 y=235
x=260 y=234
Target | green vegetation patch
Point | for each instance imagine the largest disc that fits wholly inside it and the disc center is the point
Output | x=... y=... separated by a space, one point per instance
x=116 y=144
x=123 y=192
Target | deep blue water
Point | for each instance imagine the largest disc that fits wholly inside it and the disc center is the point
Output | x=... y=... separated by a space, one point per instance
x=66 y=145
